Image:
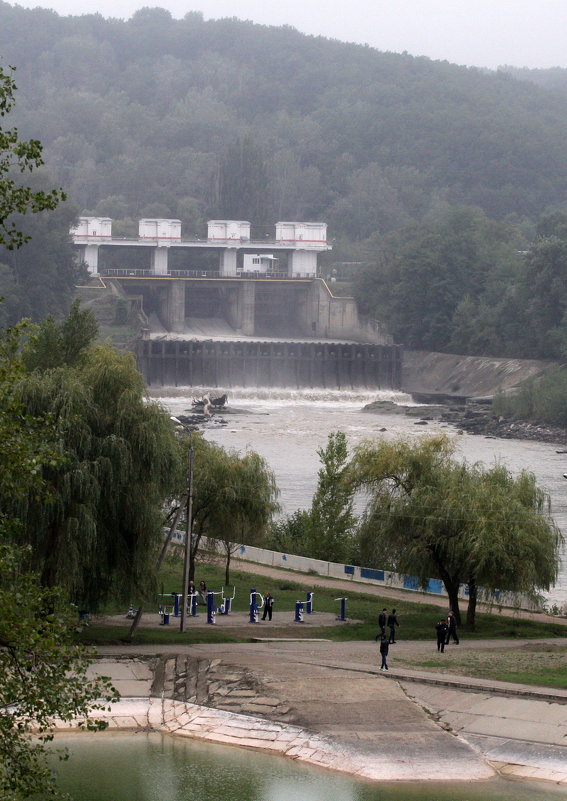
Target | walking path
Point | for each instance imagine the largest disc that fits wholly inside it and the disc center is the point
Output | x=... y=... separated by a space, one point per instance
x=327 y=703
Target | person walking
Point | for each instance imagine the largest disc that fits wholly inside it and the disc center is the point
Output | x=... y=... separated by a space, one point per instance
x=381 y=625
x=452 y=629
x=384 y=647
x=392 y=623
x=441 y=628
x=268 y=605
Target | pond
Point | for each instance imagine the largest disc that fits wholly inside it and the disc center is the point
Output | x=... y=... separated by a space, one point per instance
x=152 y=767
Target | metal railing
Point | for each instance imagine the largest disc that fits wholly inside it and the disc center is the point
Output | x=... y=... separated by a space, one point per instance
x=125 y=272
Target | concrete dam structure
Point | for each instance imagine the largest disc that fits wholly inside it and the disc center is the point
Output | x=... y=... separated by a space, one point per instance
x=245 y=363
x=228 y=310
x=220 y=333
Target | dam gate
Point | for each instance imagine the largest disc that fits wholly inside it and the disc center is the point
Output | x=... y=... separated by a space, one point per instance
x=294 y=364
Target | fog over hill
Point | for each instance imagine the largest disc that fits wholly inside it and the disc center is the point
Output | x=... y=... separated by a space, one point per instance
x=435 y=180
x=136 y=116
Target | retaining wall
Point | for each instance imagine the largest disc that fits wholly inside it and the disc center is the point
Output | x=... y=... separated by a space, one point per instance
x=366 y=575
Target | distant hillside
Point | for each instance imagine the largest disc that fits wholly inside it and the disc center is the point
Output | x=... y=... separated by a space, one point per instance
x=554 y=78
x=142 y=118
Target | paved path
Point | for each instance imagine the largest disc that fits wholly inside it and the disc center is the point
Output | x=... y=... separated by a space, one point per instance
x=366 y=722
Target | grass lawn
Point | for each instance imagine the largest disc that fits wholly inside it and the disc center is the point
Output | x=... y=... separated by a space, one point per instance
x=417 y=620
x=538 y=664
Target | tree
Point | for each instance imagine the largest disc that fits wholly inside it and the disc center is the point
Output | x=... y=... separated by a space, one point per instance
x=245 y=504
x=430 y=515
x=42 y=673
x=332 y=518
x=21 y=156
x=291 y=534
x=117 y=462
x=234 y=498
x=243 y=189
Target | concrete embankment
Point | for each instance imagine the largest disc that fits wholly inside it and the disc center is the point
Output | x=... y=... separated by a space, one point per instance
x=329 y=705
x=464 y=376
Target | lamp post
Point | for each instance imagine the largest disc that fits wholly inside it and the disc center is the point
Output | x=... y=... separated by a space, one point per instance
x=188 y=533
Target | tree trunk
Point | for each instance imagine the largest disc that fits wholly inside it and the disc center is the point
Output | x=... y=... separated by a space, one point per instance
x=227 y=567
x=451 y=584
x=135 y=622
x=169 y=536
x=471 y=609
x=453 y=593
x=193 y=553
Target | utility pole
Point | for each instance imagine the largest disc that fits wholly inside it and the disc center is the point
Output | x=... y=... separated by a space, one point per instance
x=189 y=529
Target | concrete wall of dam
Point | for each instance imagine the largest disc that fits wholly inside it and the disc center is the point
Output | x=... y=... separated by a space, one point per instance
x=295 y=364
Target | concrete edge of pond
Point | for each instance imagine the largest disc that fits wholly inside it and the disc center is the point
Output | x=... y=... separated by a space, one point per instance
x=228 y=728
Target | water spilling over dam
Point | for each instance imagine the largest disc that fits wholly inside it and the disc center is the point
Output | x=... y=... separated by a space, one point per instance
x=268 y=363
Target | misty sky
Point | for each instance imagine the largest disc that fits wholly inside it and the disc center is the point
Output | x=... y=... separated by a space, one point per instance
x=484 y=33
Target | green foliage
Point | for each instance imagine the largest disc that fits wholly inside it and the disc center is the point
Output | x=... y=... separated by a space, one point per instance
x=542 y=399
x=18 y=156
x=42 y=675
x=242 y=192
x=326 y=530
x=432 y=516
x=62 y=344
x=115 y=463
x=234 y=497
x=332 y=518
x=445 y=285
x=291 y=534
x=369 y=141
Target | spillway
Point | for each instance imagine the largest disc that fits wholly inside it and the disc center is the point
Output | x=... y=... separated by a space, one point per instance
x=265 y=363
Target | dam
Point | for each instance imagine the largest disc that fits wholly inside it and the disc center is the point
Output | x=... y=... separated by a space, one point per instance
x=229 y=310
x=267 y=363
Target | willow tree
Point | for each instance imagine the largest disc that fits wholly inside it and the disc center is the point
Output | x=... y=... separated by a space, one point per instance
x=43 y=674
x=234 y=498
x=432 y=516
x=117 y=460
x=246 y=502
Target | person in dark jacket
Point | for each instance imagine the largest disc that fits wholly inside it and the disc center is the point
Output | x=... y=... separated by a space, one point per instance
x=441 y=628
x=381 y=624
x=268 y=606
x=452 y=629
x=384 y=646
x=392 y=623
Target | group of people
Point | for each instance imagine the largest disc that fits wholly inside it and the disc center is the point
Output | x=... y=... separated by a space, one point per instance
x=201 y=593
x=389 y=620
x=446 y=628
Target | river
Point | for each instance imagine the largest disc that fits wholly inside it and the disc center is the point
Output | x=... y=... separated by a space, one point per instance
x=287 y=427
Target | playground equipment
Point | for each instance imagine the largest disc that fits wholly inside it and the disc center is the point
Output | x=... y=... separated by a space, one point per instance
x=164 y=612
x=254 y=606
x=224 y=608
x=298 y=612
x=309 y=603
x=342 y=615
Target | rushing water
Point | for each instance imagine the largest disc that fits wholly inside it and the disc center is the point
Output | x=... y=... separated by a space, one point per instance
x=287 y=427
x=149 y=767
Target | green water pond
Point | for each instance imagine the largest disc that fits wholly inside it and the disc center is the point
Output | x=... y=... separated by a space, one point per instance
x=152 y=767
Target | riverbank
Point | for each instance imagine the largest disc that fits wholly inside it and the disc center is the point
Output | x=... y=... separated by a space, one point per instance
x=473 y=418
x=328 y=704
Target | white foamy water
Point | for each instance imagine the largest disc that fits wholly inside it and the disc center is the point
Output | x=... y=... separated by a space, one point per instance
x=287 y=427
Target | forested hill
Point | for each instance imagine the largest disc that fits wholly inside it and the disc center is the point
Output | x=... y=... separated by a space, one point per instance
x=136 y=116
